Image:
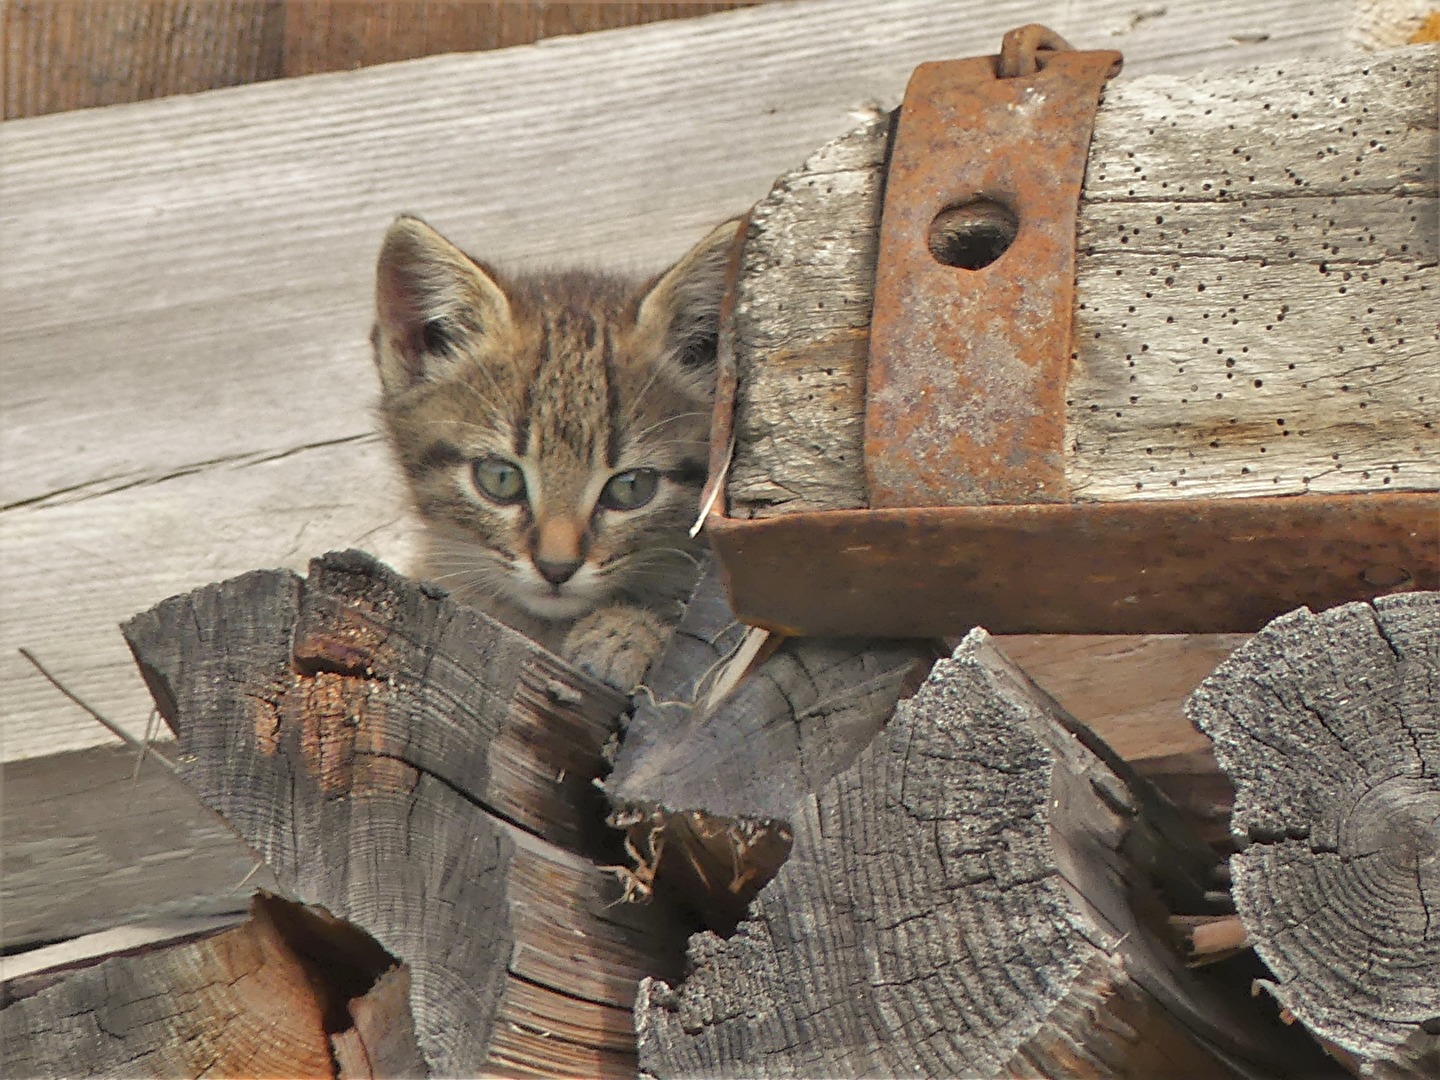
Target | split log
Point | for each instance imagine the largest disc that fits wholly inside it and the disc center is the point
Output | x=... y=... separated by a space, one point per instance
x=1258 y=264
x=1329 y=726
x=425 y=773
x=969 y=898
x=706 y=778
x=291 y=992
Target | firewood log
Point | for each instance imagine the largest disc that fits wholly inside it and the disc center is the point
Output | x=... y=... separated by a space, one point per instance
x=1329 y=726
x=978 y=894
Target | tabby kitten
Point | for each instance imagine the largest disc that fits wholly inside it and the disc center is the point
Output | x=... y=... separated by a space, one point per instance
x=553 y=430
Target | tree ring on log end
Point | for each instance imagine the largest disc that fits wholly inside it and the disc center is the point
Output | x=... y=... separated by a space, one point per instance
x=972 y=235
x=1396 y=823
x=1329 y=725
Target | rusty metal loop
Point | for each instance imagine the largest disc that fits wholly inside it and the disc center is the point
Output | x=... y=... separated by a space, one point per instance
x=1027 y=49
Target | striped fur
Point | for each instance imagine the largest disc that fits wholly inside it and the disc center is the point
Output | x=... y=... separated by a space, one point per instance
x=573 y=378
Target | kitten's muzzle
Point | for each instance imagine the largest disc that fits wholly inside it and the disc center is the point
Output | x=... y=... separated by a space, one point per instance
x=557 y=573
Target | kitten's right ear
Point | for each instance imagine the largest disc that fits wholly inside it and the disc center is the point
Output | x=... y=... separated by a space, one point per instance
x=430 y=299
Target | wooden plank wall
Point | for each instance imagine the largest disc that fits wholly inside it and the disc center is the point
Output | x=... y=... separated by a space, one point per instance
x=75 y=54
x=183 y=316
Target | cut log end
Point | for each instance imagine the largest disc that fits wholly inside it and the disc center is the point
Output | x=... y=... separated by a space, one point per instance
x=1329 y=725
x=958 y=902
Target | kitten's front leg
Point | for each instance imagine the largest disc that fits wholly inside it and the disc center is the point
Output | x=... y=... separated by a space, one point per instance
x=616 y=644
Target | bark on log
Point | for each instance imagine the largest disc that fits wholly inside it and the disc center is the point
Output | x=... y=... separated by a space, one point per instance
x=963 y=900
x=1329 y=726
x=1256 y=275
x=425 y=773
x=713 y=782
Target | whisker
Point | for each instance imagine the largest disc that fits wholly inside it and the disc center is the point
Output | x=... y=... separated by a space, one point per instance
x=639 y=435
x=635 y=405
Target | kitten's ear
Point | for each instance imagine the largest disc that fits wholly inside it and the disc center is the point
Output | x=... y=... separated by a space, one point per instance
x=430 y=298
x=683 y=305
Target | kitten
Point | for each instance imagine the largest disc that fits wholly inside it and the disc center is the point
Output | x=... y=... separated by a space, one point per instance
x=553 y=430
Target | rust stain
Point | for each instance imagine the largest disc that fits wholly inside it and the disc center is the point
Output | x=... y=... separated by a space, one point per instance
x=1428 y=31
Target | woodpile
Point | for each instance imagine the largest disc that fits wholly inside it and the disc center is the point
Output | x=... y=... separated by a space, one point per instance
x=861 y=855
x=974 y=886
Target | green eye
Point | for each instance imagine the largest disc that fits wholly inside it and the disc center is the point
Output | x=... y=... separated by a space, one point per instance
x=630 y=490
x=499 y=479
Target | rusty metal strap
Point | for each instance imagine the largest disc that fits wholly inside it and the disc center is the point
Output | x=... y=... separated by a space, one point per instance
x=975 y=277
x=970 y=354
x=1171 y=566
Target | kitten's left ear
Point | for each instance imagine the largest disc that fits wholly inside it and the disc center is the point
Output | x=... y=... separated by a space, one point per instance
x=683 y=305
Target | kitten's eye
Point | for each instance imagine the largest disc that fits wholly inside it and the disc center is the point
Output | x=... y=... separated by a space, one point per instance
x=630 y=490
x=499 y=479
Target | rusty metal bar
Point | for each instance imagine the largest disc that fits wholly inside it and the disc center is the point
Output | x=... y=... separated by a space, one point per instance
x=975 y=277
x=1168 y=566
x=970 y=353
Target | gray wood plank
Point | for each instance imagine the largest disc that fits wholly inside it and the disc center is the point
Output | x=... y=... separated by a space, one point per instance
x=185 y=283
x=89 y=844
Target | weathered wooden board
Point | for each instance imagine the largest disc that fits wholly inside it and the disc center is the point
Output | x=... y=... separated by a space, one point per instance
x=186 y=287
x=64 y=54
x=68 y=55
x=187 y=281
x=1257 y=275
x=90 y=844
x=340 y=35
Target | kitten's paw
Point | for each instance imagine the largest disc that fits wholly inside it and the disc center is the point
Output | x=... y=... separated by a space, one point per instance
x=616 y=644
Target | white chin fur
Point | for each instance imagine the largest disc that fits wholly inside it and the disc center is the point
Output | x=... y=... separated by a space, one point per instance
x=550 y=606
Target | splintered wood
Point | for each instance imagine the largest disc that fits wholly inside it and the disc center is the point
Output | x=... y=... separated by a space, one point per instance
x=1257 y=274
x=425 y=773
x=708 y=787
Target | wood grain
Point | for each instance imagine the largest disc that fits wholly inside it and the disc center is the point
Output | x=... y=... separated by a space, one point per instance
x=1329 y=725
x=1255 y=312
x=1257 y=289
x=414 y=767
x=90 y=844
x=961 y=901
x=341 y=35
x=187 y=284
x=236 y=1003
x=77 y=54
x=187 y=287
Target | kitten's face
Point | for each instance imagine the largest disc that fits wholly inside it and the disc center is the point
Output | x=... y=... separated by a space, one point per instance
x=554 y=429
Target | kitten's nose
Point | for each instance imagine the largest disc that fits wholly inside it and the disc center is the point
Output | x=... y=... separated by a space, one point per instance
x=557 y=573
x=559 y=549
